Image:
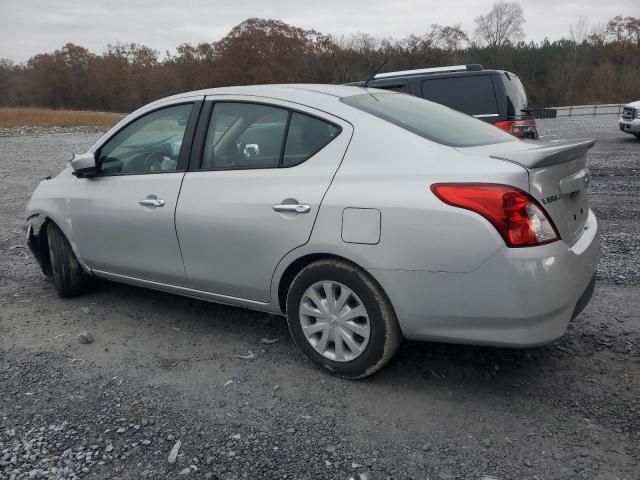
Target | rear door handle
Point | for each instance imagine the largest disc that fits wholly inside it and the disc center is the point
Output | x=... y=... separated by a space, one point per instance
x=152 y=202
x=292 y=208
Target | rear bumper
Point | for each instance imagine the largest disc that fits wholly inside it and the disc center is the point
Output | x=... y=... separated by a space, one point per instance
x=519 y=297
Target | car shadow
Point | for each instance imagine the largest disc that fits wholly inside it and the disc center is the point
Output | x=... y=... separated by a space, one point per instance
x=416 y=363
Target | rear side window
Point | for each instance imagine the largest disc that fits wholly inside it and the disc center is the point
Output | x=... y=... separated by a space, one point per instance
x=429 y=120
x=249 y=135
x=307 y=136
x=245 y=135
x=473 y=95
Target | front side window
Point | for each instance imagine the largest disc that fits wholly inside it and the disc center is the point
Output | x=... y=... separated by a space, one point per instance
x=430 y=120
x=150 y=144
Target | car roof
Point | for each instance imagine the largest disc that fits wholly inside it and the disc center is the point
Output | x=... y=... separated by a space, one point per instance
x=323 y=97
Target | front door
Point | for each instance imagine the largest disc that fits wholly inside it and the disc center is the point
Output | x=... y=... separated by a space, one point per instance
x=255 y=196
x=123 y=219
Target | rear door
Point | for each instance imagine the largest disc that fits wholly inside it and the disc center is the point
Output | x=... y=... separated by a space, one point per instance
x=253 y=194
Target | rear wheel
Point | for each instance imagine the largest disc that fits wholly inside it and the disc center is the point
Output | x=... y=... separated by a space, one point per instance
x=341 y=319
x=66 y=271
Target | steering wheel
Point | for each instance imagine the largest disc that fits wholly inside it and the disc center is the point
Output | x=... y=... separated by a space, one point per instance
x=153 y=161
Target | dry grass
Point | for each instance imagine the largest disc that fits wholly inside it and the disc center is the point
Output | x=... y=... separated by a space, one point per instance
x=42 y=117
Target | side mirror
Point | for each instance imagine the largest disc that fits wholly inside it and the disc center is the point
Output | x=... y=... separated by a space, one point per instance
x=84 y=165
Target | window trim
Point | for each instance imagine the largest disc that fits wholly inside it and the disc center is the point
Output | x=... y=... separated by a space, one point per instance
x=197 y=154
x=185 y=147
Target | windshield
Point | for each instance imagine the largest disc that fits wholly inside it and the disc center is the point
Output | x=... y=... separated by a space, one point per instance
x=428 y=119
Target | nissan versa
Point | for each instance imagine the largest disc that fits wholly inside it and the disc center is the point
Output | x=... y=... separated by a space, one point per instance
x=363 y=215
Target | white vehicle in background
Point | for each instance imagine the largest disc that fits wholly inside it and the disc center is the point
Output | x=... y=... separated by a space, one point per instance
x=630 y=120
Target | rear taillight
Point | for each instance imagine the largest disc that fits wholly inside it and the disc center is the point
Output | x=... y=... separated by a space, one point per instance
x=520 y=220
x=519 y=128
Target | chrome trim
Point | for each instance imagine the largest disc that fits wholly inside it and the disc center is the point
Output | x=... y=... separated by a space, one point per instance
x=151 y=202
x=292 y=208
x=485 y=115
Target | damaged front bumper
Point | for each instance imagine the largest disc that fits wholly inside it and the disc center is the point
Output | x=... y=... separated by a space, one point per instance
x=37 y=242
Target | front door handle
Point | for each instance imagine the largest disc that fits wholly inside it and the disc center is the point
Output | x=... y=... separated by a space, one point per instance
x=292 y=208
x=151 y=202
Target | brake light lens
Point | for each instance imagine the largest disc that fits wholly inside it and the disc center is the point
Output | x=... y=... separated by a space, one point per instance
x=520 y=220
x=519 y=128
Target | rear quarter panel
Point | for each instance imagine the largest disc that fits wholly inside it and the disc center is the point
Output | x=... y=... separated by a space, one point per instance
x=392 y=170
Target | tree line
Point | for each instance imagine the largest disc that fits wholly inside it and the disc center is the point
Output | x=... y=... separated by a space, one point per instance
x=595 y=64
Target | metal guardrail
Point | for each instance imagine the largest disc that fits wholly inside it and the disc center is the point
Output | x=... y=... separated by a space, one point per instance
x=597 y=109
x=579 y=110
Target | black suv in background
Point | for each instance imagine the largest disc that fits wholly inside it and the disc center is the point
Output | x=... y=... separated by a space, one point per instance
x=495 y=96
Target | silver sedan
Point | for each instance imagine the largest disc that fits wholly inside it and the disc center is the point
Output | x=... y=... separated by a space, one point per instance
x=364 y=216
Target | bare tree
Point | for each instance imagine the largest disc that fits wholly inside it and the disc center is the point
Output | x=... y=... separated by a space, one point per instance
x=579 y=68
x=597 y=34
x=579 y=31
x=449 y=37
x=624 y=29
x=501 y=26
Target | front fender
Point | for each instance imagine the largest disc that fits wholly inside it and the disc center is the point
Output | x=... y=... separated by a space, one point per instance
x=50 y=203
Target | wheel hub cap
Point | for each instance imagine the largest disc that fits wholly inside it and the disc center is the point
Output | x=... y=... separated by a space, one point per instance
x=334 y=321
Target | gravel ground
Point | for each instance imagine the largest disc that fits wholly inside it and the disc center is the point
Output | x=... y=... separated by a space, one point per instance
x=163 y=374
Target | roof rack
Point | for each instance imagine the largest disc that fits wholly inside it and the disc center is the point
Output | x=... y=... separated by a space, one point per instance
x=472 y=67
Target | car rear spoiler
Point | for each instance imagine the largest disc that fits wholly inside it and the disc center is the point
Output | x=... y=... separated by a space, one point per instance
x=548 y=154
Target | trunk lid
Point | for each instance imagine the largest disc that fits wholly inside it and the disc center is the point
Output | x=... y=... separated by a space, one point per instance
x=558 y=179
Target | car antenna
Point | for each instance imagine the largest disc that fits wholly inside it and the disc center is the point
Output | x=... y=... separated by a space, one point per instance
x=375 y=72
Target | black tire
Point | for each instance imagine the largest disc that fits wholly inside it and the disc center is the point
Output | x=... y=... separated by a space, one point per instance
x=385 y=336
x=67 y=272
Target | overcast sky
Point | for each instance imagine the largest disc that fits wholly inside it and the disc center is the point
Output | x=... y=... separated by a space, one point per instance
x=28 y=27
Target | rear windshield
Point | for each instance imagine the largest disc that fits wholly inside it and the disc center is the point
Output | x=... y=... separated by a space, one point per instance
x=428 y=119
x=516 y=96
x=472 y=94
